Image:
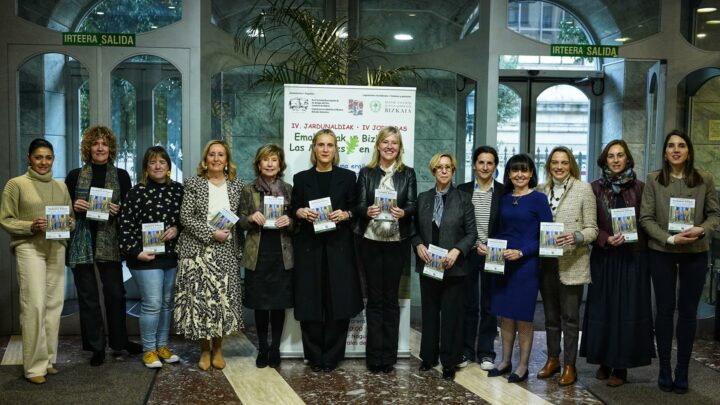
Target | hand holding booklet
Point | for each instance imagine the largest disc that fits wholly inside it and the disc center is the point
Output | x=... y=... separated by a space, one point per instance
x=323 y=206
x=623 y=221
x=549 y=231
x=273 y=208
x=99 y=200
x=58 y=222
x=681 y=215
x=495 y=258
x=385 y=199
x=152 y=234
x=436 y=267
x=224 y=219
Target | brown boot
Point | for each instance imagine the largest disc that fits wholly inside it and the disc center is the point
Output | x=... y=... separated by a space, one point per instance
x=217 y=358
x=204 y=362
x=552 y=366
x=617 y=378
x=569 y=376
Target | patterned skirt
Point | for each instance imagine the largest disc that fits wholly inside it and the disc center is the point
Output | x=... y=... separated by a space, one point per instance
x=208 y=298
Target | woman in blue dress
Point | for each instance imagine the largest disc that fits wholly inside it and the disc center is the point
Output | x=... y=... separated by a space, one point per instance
x=514 y=294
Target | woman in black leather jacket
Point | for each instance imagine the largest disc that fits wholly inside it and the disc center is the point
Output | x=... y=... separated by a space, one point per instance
x=386 y=195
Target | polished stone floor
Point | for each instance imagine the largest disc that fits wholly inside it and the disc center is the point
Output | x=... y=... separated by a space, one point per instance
x=351 y=383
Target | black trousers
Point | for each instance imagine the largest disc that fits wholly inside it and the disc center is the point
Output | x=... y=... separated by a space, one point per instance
x=442 y=320
x=324 y=340
x=665 y=270
x=561 y=304
x=480 y=328
x=91 y=317
x=383 y=263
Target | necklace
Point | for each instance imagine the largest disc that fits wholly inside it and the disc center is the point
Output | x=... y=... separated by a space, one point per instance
x=516 y=198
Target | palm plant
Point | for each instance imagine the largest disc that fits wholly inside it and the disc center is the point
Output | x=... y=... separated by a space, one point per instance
x=295 y=46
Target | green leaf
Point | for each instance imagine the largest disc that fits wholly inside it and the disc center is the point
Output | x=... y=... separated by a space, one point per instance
x=352 y=144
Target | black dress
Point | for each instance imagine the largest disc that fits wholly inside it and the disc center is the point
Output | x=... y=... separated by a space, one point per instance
x=618 y=328
x=269 y=286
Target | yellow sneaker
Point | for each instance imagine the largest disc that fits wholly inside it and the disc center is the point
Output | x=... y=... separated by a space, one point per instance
x=167 y=356
x=150 y=360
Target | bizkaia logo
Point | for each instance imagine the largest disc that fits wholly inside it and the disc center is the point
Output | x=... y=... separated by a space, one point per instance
x=375 y=106
x=355 y=107
x=398 y=107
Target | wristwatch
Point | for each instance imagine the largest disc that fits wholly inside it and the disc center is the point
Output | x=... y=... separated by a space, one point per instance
x=520 y=252
x=349 y=214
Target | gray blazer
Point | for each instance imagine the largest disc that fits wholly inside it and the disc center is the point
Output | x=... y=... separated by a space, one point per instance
x=457 y=229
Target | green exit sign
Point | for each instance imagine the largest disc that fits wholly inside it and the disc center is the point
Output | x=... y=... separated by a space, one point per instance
x=584 y=51
x=98 y=39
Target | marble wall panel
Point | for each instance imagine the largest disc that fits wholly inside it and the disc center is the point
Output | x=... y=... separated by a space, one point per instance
x=612 y=122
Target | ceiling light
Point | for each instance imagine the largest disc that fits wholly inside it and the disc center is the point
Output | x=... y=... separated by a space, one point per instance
x=623 y=39
x=100 y=12
x=706 y=9
x=403 y=37
x=153 y=27
x=701 y=35
x=171 y=7
x=411 y=14
x=712 y=22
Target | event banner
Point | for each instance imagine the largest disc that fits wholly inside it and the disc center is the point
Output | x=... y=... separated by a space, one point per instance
x=355 y=113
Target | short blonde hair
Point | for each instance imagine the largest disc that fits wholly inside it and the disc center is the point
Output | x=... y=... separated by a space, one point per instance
x=313 y=159
x=381 y=136
x=230 y=171
x=574 y=169
x=268 y=150
x=435 y=161
x=91 y=135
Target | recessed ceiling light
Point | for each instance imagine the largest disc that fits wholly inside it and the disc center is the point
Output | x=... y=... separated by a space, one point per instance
x=623 y=39
x=712 y=22
x=171 y=7
x=701 y=35
x=403 y=37
x=100 y=12
x=411 y=14
x=706 y=9
x=153 y=27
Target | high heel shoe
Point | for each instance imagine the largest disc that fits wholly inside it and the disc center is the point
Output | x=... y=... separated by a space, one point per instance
x=425 y=366
x=496 y=372
x=514 y=378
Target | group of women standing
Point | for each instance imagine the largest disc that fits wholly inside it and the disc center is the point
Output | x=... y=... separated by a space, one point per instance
x=290 y=264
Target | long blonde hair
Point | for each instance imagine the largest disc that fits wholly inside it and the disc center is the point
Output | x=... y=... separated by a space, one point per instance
x=381 y=136
x=230 y=169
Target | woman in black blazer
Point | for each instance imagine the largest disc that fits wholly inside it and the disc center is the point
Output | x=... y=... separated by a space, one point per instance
x=385 y=243
x=445 y=218
x=327 y=286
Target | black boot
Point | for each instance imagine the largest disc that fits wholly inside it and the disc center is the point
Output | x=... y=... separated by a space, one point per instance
x=680 y=386
x=665 y=381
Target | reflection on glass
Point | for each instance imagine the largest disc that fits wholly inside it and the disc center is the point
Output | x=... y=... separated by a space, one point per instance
x=562 y=118
x=702 y=19
x=416 y=26
x=146 y=110
x=508 y=126
x=49 y=85
x=130 y=16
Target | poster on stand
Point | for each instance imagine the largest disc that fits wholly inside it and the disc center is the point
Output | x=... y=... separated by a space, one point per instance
x=355 y=114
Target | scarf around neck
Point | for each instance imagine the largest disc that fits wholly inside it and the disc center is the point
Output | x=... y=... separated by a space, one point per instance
x=613 y=184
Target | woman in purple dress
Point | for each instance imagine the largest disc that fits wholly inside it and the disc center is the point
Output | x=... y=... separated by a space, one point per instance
x=514 y=293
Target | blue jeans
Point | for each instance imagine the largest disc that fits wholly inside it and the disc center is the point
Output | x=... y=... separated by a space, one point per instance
x=157 y=291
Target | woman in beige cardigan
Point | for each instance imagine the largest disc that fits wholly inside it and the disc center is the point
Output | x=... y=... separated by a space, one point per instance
x=562 y=279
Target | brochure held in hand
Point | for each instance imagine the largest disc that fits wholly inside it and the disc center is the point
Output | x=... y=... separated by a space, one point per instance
x=273 y=208
x=495 y=259
x=436 y=267
x=224 y=219
x=58 y=222
x=99 y=200
x=323 y=207
x=152 y=234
